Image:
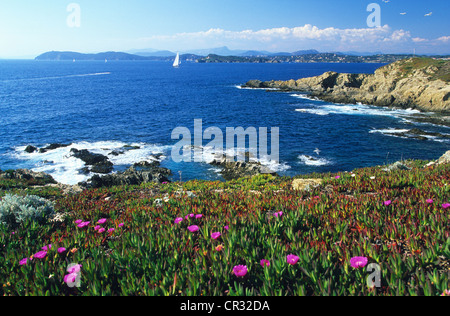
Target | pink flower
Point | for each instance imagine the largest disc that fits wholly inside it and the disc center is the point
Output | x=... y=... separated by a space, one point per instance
x=240 y=271
x=111 y=230
x=215 y=235
x=70 y=278
x=101 y=230
x=178 y=220
x=74 y=269
x=40 y=255
x=337 y=177
x=226 y=228
x=446 y=293
x=79 y=221
x=430 y=201
x=358 y=262
x=97 y=227
x=278 y=214
x=292 y=259
x=102 y=221
x=47 y=248
x=121 y=225
x=83 y=224
x=265 y=263
x=445 y=205
x=193 y=228
x=387 y=203
x=23 y=262
x=61 y=250
x=198 y=216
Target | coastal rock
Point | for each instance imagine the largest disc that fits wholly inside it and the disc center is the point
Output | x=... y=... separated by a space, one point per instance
x=418 y=83
x=30 y=149
x=306 y=184
x=129 y=177
x=444 y=159
x=28 y=175
x=52 y=147
x=238 y=169
x=98 y=163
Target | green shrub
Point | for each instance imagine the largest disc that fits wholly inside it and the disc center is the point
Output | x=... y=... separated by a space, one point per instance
x=15 y=209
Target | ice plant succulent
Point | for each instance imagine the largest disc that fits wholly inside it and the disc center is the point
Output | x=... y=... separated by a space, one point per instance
x=240 y=271
x=83 y=224
x=387 y=203
x=23 y=262
x=265 y=263
x=292 y=259
x=178 y=220
x=215 y=235
x=358 y=262
x=193 y=228
x=40 y=255
x=278 y=214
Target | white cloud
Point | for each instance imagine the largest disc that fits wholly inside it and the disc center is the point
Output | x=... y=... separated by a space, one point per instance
x=290 y=39
x=419 y=40
x=444 y=39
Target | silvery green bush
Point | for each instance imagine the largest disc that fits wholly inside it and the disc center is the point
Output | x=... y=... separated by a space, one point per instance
x=15 y=209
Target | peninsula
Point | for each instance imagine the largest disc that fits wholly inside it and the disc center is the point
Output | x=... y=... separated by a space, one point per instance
x=418 y=83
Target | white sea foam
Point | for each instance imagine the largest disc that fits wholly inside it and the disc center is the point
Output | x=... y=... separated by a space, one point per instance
x=358 y=109
x=304 y=96
x=314 y=161
x=249 y=88
x=389 y=131
x=65 y=168
x=60 y=77
x=395 y=131
x=208 y=155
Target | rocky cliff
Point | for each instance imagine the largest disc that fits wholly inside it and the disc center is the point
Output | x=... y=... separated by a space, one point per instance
x=420 y=83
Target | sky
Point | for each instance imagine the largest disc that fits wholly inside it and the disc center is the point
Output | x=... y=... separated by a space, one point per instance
x=31 y=27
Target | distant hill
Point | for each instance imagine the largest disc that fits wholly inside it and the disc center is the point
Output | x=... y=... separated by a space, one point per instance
x=79 y=56
x=161 y=53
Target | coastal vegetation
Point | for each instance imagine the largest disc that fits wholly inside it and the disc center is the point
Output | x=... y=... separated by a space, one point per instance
x=264 y=235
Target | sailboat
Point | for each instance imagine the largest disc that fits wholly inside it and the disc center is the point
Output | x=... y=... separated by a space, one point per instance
x=177 y=61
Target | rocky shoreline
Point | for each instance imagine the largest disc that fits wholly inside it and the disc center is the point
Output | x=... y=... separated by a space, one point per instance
x=416 y=83
x=145 y=171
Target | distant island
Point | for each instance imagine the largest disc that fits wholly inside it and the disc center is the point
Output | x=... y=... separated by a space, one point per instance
x=306 y=56
x=418 y=83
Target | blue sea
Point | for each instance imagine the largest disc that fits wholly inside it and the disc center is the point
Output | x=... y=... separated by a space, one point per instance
x=103 y=107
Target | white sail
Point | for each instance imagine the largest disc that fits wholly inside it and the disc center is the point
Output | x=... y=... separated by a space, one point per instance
x=177 y=61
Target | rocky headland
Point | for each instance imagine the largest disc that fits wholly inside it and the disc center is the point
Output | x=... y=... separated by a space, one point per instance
x=417 y=83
